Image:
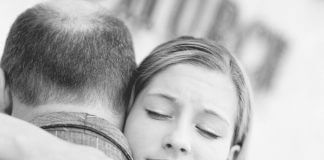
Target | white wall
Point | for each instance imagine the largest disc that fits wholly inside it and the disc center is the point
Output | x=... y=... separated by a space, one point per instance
x=290 y=121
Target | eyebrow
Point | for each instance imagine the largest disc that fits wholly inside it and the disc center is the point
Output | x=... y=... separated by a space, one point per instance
x=163 y=95
x=211 y=112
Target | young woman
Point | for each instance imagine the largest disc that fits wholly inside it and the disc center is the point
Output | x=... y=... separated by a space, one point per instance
x=190 y=101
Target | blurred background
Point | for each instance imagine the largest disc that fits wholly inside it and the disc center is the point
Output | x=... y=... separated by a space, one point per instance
x=279 y=42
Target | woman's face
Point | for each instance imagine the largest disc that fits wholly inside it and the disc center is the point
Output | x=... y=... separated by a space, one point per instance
x=185 y=112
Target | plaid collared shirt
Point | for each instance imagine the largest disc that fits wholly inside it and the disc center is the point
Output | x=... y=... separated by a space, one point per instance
x=86 y=129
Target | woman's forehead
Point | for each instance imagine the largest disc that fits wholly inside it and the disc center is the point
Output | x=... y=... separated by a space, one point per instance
x=186 y=83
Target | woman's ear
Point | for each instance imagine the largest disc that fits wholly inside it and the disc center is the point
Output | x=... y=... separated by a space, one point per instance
x=234 y=152
x=5 y=98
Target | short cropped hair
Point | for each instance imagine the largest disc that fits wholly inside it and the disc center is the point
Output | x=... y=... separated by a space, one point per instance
x=51 y=56
x=203 y=53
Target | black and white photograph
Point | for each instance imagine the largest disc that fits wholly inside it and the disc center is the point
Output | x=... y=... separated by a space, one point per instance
x=161 y=79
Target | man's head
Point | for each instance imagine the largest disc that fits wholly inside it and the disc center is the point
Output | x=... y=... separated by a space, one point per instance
x=68 y=52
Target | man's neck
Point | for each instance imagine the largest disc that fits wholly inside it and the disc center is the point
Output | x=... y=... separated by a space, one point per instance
x=27 y=113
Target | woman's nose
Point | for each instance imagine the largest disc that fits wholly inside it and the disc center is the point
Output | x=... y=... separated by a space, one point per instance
x=177 y=141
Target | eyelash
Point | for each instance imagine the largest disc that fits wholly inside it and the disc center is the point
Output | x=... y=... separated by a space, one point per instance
x=206 y=133
x=159 y=116
x=156 y=115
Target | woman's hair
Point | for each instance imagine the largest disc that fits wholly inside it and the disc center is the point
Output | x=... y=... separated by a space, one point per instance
x=206 y=54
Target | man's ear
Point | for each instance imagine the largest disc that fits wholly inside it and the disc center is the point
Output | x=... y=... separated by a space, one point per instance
x=233 y=153
x=5 y=98
x=131 y=100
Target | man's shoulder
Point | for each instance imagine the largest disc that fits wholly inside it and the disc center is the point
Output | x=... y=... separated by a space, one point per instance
x=83 y=124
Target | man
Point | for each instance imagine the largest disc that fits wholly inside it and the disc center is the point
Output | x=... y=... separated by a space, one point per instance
x=66 y=66
x=18 y=141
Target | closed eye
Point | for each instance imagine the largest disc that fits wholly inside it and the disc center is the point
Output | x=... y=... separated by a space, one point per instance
x=206 y=133
x=156 y=115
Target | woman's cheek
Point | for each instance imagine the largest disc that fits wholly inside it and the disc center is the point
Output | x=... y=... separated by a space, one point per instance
x=138 y=127
x=144 y=134
x=210 y=149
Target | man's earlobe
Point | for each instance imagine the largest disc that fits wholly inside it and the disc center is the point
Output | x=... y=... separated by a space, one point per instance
x=234 y=152
x=5 y=97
